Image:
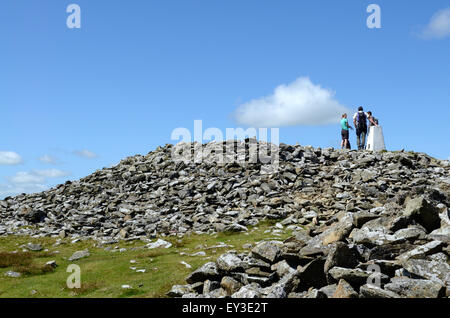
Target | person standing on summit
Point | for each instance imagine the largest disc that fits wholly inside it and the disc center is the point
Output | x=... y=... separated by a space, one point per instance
x=360 y=121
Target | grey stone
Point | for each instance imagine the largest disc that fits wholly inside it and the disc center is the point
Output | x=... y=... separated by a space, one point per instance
x=423 y=212
x=372 y=291
x=204 y=272
x=13 y=274
x=356 y=277
x=249 y=291
x=415 y=288
x=267 y=251
x=79 y=255
x=437 y=271
x=421 y=251
x=34 y=247
x=340 y=255
x=229 y=262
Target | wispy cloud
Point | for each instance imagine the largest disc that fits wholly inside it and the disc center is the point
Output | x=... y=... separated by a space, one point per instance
x=298 y=103
x=22 y=177
x=16 y=189
x=29 y=181
x=36 y=176
x=438 y=27
x=51 y=173
x=49 y=159
x=85 y=154
x=9 y=158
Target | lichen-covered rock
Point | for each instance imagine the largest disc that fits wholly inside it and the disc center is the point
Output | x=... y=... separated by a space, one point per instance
x=415 y=288
x=79 y=255
x=372 y=291
x=204 y=272
x=267 y=251
x=437 y=271
x=229 y=262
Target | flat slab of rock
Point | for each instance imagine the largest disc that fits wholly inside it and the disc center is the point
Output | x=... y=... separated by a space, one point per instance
x=355 y=276
x=79 y=255
x=12 y=274
x=415 y=288
x=204 y=272
x=34 y=247
x=159 y=244
x=421 y=251
x=375 y=237
x=437 y=271
x=372 y=291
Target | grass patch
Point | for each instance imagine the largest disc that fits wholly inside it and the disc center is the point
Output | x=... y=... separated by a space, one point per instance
x=104 y=272
x=23 y=262
x=9 y=259
x=86 y=288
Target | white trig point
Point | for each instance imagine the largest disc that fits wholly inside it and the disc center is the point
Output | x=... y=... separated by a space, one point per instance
x=375 y=140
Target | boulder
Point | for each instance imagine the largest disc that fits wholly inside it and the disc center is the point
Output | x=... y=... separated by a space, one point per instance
x=420 y=210
x=229 y=262
x=204 y=272
x=415 y=288
x=436 y=271
x=344 y=290
x=372 y=291
x=267 y=251
x=79 y=255
x=340 y=255
x=230 y=285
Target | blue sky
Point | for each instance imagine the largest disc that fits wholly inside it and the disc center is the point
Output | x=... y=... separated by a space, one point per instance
x=77 y=100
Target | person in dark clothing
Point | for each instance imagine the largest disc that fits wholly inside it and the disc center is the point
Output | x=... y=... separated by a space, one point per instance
x=360 y=122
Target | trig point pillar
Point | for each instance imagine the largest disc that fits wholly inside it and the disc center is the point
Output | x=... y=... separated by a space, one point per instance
x=375 y=140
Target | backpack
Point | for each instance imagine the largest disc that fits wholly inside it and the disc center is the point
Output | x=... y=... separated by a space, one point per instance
x=361 y=123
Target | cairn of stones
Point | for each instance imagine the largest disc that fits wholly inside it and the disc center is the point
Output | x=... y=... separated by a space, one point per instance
x=363 y=224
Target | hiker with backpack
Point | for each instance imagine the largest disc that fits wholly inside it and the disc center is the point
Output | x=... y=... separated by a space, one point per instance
x=345 y=144
x=360 y=121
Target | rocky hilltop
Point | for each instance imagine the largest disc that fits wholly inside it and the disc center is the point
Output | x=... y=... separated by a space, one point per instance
x=349 y=211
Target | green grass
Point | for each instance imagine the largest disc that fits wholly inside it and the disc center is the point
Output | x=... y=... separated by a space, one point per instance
x=104 y=272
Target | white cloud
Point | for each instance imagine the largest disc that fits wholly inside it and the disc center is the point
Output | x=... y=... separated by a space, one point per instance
x=29 y=182
x=9 y=158
x=37 y=176
x=48 y=159
x=23 y=177
x=439 y=26
x=86 y=154
x=16 y=189
x=298 y=103
x=51 y=173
